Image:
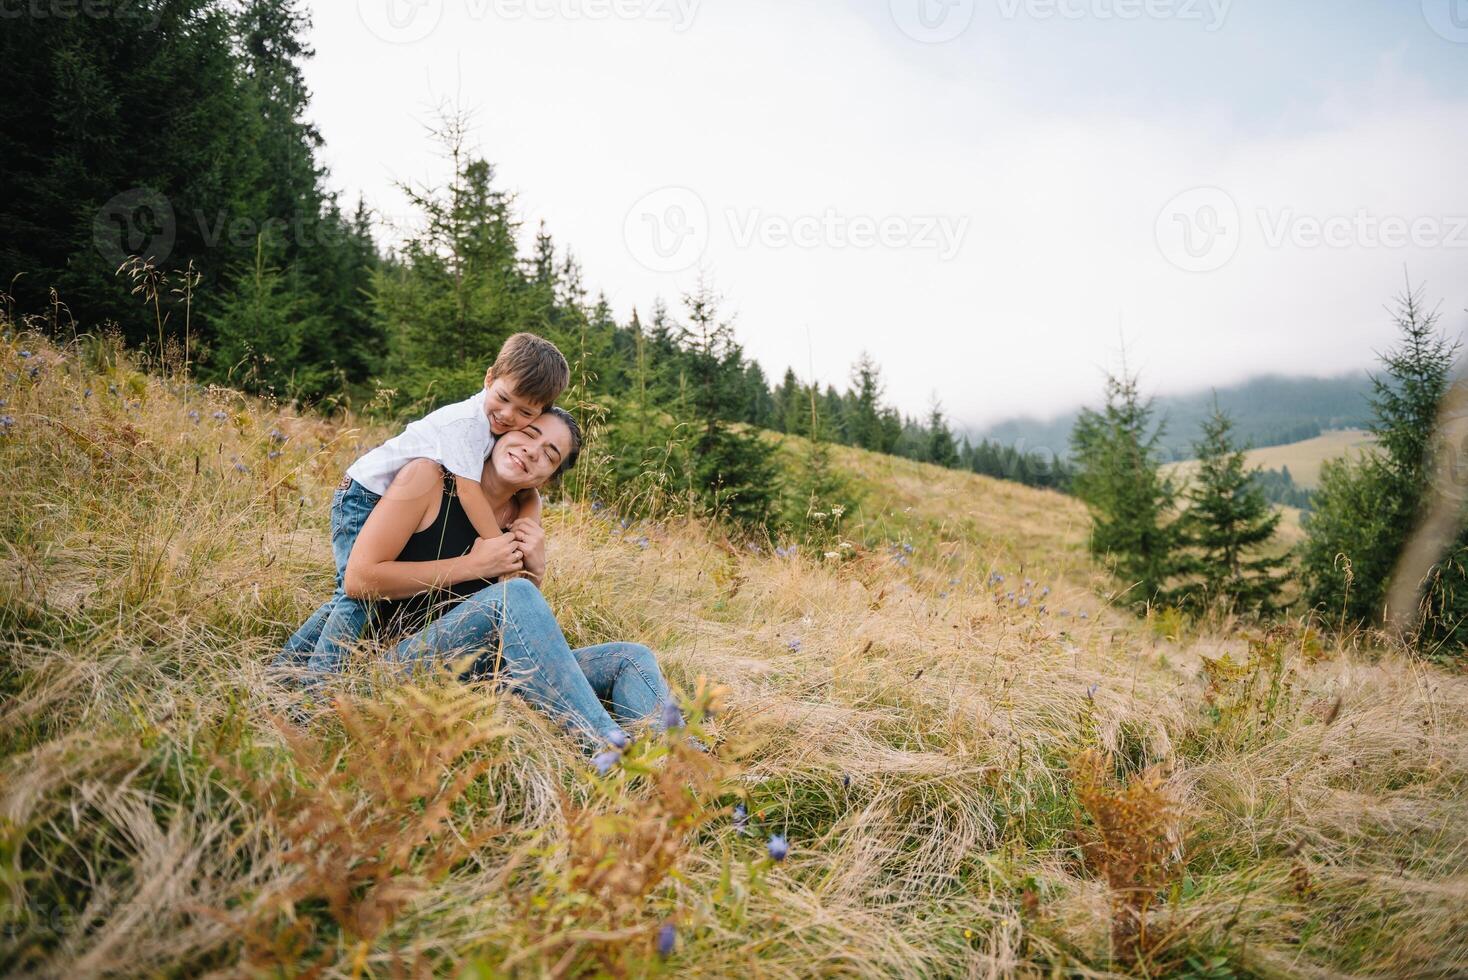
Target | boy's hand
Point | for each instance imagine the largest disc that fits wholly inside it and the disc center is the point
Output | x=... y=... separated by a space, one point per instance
x=531 y=537
x=496 y=557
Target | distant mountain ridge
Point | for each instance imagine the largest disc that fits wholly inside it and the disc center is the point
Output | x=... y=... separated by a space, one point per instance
x=1270 y=410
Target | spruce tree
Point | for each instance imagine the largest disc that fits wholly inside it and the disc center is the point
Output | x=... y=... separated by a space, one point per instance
x=940 y=449
x=1366 y=509
x=1117 y=477
x=734 y=471
x=1227 y=521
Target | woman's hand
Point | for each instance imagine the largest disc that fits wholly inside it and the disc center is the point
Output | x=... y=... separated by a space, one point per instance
x=495 y=557
x=531 y=537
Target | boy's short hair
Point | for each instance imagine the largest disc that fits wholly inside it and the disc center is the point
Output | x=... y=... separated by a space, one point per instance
x=570 y=458
x=534 y=367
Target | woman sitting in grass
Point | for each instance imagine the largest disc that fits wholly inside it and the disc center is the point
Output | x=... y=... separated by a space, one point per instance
x=451 y=595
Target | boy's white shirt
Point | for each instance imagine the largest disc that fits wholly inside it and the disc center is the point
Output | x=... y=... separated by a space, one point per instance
x=456 y=436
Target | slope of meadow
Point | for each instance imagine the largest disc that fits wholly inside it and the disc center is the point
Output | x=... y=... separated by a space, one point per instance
x=916 y=733
x=1304 y=458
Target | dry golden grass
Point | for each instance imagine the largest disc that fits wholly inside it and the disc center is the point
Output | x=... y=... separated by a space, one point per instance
x=909 y=727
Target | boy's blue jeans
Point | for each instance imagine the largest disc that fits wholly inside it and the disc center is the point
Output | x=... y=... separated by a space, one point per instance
x=324 y=639
x=513 y=636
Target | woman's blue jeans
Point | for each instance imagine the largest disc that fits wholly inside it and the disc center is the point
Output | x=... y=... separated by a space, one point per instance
x=513 y=635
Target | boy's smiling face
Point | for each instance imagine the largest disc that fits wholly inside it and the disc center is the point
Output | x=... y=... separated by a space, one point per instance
x=506 y=410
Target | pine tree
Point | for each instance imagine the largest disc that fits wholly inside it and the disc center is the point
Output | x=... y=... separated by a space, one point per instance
x=940 y=448
x=1130 y=501
x=1227 y=521
x=734 y=471
x=864 y=421
x=1365 y=509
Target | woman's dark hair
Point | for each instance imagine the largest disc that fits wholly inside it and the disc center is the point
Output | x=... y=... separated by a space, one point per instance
x=569 y=460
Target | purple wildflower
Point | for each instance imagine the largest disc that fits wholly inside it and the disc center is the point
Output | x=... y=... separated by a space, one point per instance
x=1045 y=590
x=670 y=716
x=667 y=939
x=273 y=454
x=1091 y=692
x=87 y=393
x=995 y=578
x=642 y=542
x=194 y=415
x=241 y=468
x=25 y=353
x=741 y=818
x=907 y=547
x=605 y=761
x=617 y=739
x=779 y=847
x=34 y=372
x=1024 y=600
x=220 y=416
x=1085 y=615
x=794 y=645
x=277 y=436
x=597 y=505
x=6 y=421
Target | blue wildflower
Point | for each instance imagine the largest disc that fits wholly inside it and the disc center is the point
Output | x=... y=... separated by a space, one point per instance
x=25 y=353
x=6 y=421
x=907 y=547
x=273 y=454
x=846 y=780
x=1045 y=590
x=1091 y=692
x=34 y=372
x=1029 y=583
x=942 y=595
x=670 y=716
x=87 y=393
x=1009 y=596
x=277 y=436
x=642 y=542
x=741 y=818
x=112 y=389
x=617 y=739
x=597 y=505
x=1024 y=600
x=625 y=522
x=241 y=468
x=220 y=415
x=779 y=848
x=794 y=645
x=605 y=761
x=667 y=939
x=1085 y=615
x=995 y=578
x=754 y=548
x=194 y=415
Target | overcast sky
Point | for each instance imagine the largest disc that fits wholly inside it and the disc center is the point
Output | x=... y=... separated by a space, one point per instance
x=987 y=195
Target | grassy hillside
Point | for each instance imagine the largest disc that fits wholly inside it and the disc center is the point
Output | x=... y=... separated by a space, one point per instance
x=1303 y=458
x=1282 y=807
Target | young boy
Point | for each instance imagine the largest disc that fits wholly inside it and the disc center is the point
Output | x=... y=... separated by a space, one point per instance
x=526 y=378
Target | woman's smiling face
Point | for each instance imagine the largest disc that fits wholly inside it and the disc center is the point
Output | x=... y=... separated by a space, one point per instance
x=529 y=457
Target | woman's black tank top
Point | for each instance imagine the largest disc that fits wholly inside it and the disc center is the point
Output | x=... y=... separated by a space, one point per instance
x=451 y=535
